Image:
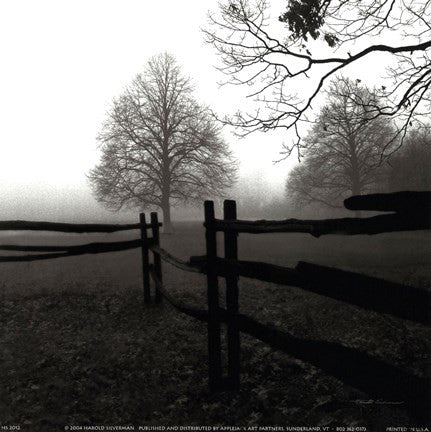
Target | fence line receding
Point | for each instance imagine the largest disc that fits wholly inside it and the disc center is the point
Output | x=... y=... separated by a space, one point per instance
x=64 y=251
x=410 y=211
x=359 y=369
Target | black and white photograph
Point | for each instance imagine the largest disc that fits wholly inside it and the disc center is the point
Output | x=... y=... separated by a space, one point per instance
x=215 y=215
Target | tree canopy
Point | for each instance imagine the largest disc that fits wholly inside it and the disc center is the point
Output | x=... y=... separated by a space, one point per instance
x=286 y=63
x=344 y=149
x=159 y=146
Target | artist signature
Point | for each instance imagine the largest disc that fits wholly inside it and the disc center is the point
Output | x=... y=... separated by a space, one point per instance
x=376 y=402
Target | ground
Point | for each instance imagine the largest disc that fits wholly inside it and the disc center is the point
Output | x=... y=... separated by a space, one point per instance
x=79 y=347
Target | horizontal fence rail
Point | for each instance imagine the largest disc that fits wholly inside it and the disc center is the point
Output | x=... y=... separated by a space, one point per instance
x=400 y=202
x=182 y=265
x=355 y=288
x=347 y=226
x=67 y=251
x=412 y=211
x=353 y=366
x=63 y=251
x=364 y=372
x=199 y=314
x=66 y=227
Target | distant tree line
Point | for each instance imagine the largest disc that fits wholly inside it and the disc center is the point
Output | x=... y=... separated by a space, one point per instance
x=410 y=167
x=345 y=148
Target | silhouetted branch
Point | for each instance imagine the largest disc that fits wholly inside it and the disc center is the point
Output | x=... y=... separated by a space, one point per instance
x=285 y=70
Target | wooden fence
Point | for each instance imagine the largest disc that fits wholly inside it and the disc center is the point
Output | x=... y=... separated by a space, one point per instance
x=380 y=380
x=64 y=251
x=410 y=211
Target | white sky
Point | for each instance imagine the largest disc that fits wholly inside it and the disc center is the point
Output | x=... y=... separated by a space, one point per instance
x=63 y=61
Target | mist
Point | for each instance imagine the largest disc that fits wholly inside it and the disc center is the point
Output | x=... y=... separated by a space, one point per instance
x=249 y=322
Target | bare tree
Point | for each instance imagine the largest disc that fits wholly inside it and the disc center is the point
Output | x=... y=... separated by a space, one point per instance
x=159 y=146
x=343 y=149
x=287 y=64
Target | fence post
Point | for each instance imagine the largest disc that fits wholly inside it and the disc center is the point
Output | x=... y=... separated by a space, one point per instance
x=232 y=306
x=156 y=256
x=145 y=259
x=214 y=343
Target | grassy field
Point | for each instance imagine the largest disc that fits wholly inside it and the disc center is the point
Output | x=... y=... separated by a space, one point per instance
x=79 y=347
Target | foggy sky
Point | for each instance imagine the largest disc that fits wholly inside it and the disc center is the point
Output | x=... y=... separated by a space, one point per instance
x=63 y=62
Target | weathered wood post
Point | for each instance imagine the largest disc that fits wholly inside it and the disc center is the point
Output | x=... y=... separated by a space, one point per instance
x=214 y=343
x=145 y=259
x=156 y=256
x=233 y=337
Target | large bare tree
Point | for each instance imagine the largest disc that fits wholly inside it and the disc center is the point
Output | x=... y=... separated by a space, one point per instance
x=287 y=62
x=159 y=146
x=344 y=149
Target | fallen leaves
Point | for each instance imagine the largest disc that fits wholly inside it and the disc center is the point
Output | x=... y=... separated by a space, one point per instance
x=105 y=358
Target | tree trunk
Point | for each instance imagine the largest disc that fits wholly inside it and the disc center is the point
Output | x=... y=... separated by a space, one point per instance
x=356 y=190
x=167 y=224
x=355 y=175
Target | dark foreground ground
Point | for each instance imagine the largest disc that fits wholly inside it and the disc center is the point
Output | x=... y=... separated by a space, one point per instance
x=78 y=347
